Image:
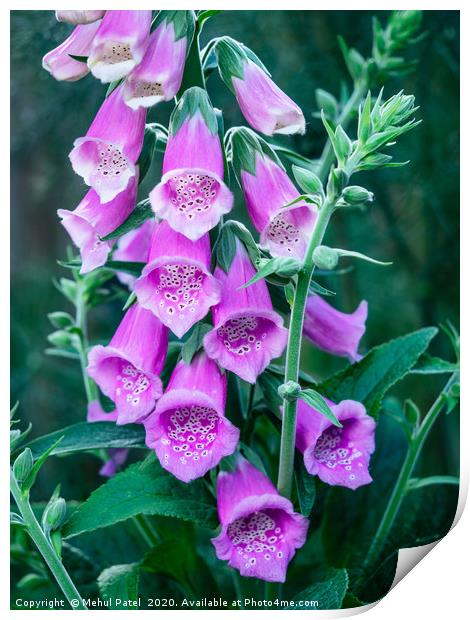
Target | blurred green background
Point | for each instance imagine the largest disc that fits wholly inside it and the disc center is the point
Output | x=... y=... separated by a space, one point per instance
x=414 y=220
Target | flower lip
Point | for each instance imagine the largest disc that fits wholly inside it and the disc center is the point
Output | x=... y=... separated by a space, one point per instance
x=284 y=236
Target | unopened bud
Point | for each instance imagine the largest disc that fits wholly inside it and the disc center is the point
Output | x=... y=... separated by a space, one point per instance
x=54 y=514
x=325 y=257
x=23 y=466
x=289 y=391
x=355 y=195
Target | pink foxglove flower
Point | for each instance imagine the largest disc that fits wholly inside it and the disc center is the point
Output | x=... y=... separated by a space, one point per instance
x=176 y=284
x=188 y=429
x=333 y=331
x=117 y=456
x=264 y=105
x=91 y=221
x=338 y=456
x=247 y=332
x=158 y=77
x=260 y=530
x=284 y=230
x=58 y=61
x=133 y=247
x=127 y=370
x=192 y=196
x=106 y=157
x=79 y=17
x=120 y=44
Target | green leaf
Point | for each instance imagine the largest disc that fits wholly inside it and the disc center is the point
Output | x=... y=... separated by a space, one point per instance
x=281 y=266
x=428 y=365
x=316 y=400
x=141 y=213
x=420 y=483
x=119 y=584
x=329 y=593
x=203 y=16
x=79 y=58
x=147 y=152
x=318 y=289
x=87 y=436
x=143 y=488
x=326 y=102
x=38 y=463
x=369 y=380
x=306 y=487
x=61 y=319
x=134 y=268
x=194 y=342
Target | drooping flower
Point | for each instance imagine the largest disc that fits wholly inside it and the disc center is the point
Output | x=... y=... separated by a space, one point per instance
x=284 y=230
x=117 y=456
x=260 y=530
x=79 y=17
x=58 y=61
x=247 y=332
x=158 y=77
x=338 y=456
x=106 y=157
x=333 y=331
x=192 y=196
x=133 y=247
x=128 y=369
x=120 y=44
x=264 y=105
x=91 y=221
x=176 y=284
x=188 y=429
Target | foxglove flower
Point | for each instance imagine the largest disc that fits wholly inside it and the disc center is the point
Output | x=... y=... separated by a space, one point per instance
x=158 y=77
x=284 y=230
x=188 y=429
x=117 y=456
x=333 y=331
x=338 y=456
x=260 y=530
x=79 y=17
x=247 y=332
x=192 y=196
x=264 y=105
x=91 y=221
x=106 y=157
x=127 y=370
x=120 y=44
x=133 y=247
x=58 y=61
x=176 y=284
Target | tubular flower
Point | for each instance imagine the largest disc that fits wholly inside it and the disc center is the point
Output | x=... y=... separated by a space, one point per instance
x=284 y=230
x=117 y=456
x=128 y=369
x=176 y=284
x=260 y=530
x=79 y=17
x=120 y=44
x=247 y=332
x=58 y=61
x=333 y=331
x=91 y=221
x=192 y=196
x=106 y=157
x=338 y=456
x=188 y=429
x=158 y=77
x=133 y=247
x=264 y=105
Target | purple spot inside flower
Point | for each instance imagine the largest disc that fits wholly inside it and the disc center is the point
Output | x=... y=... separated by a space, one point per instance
x=336 y=449
x=192 y=194
x=132 y=387
x=244 y=335
x=111 y=161
x=177 y=288
x=285 y=234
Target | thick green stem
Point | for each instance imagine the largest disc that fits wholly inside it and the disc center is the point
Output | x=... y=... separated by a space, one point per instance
x=286 y=458
x=80 y=320
x=399 y=491
x=45 y=548
x=193 y=73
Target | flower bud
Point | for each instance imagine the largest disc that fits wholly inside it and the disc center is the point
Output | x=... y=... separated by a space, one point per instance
x=325 y=257
x=23 y=466
x=355 y=195
x=289 y=391
x=54 y=514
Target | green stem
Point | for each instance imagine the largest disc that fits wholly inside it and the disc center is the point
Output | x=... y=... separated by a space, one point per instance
x=193 y=74
x=80 y=320
x=145 y=530
x=45 y=548
x=286 y=458
x=399 y=491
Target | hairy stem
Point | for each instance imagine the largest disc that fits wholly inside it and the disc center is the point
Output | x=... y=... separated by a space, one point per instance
x=44 y=546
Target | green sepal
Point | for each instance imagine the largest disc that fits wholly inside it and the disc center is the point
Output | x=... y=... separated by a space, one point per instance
x=231 y=59
x=246 y=144
x=194 y=100
x=183 y=23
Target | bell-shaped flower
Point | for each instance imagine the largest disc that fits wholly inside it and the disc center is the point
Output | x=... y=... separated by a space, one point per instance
x=79 y=17
x=117 y=456
x=158 y=77
x=176 y=284
x=127 y=370
x=284 y=230
x=247 y=332
x=133 y=247
x=260 y=531
x=120 y=44
x=91 y=221
x=264 y=105
x=106 y=157
x=59 y=62
x=188 y=429
x=333 y=331
x=192 y=196
x=338 y=456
